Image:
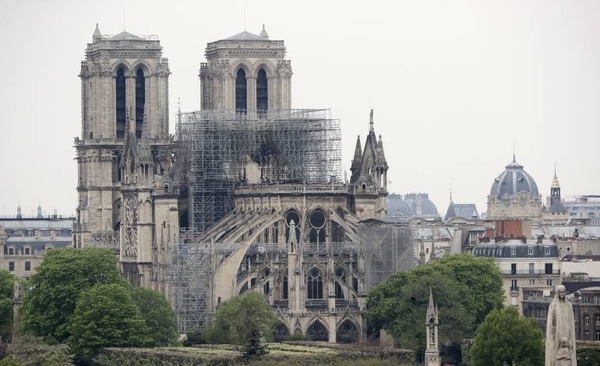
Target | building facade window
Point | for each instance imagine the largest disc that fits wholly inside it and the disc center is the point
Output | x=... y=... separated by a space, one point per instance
x=314 y=284
x=531 y=268
x=27 y=266
x=140 y=101
x=11 y=266
x=514 y=285
x=262 y=92
x=11 y=251
x=120 y=103
x=549 y=282
x=241 y=91
x=513 y=268
x=548 y=268
x=27 y=251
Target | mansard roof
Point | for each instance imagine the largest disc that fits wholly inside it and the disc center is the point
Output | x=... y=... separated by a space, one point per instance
x=464 y=210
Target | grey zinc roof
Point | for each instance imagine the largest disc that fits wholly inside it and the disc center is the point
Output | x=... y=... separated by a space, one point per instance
x=246 y=36
x=396 y=207
x=125 y=36
x=557 y=207
x=427 y=207
x=464 y=210
x=521 y=250
x=514 y=179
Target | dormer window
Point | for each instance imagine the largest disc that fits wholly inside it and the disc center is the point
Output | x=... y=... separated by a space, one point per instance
x=513 y=251
x=529 y=251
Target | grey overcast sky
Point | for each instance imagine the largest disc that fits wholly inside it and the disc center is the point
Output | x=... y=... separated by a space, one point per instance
x=452 y=84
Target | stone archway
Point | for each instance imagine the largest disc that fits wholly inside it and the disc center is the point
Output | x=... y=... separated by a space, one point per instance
x=280 y=332
x=347 y=332
x=317 y=331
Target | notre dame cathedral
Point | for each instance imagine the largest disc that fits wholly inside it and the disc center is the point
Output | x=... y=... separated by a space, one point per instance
x=246 y=195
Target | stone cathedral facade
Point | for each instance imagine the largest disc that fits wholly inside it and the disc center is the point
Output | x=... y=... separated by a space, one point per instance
x=124 y=153
x=296 y=239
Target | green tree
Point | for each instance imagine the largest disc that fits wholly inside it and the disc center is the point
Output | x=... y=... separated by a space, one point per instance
x=158 y=315
x=238 y=317
x=399 y=304
x=7 y=290
x=106 y=316
x=32 y=351
x=53 y=291
x=504 y=337
x=483 y=279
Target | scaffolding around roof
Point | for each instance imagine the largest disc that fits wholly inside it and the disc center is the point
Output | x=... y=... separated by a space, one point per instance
x=291 y=146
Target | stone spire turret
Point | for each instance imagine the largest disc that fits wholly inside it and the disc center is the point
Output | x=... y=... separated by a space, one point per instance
x=97 y=34
x=432 y=352
x=263 y=33
x=355 y=168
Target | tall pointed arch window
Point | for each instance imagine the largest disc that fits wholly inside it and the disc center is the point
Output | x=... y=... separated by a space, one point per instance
x=241 y=92
x=140 y=101
x=262 y=92
x=314 y=284
x=120 y=112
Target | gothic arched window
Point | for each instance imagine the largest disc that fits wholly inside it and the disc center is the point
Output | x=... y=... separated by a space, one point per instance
x=314 y=284
x=140 y=101
x=120 y=107
x=317 y=227
x=285 y=286
x=262 y=92
x=240 y=91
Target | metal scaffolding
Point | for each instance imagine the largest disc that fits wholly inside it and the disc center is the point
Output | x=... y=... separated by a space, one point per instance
x=213 y=150
x=387 y=248
x=293 y=146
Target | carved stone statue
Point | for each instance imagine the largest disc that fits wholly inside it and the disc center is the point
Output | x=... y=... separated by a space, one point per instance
x=560 y=331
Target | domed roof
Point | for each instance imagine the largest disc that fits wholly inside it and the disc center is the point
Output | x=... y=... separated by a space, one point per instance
x=396 y=207
x=514 y=179
x=420 y=205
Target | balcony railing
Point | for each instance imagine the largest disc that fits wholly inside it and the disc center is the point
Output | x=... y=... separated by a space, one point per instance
x=525 y=272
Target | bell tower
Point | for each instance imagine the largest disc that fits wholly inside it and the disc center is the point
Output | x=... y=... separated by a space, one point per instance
x=124 y=82
x=246 y=73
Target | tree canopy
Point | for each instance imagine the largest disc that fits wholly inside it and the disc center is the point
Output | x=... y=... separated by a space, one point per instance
x=53 y=291
x=7 y=290
x=238 y=319
x=506 y=336
x=106 y=316
x=28 y=350
x=158 y=315
x=465 y=289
